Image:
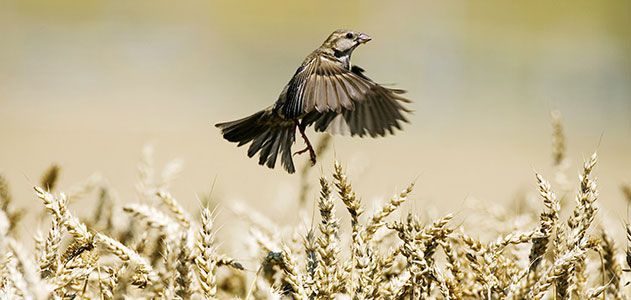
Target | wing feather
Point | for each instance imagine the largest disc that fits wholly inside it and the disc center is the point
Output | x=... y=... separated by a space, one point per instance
x=334 y=102
x=364 y=108
x=310 y=93
x=330 y=87
x=343 y=100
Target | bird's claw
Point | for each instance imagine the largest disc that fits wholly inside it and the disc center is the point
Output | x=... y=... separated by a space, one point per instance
x=301 y=151
x=312 y=155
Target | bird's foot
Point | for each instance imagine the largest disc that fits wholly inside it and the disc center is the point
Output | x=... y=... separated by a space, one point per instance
x=301 y=151
x=312 y=154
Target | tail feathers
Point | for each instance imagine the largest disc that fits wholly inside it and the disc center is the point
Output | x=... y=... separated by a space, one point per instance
x=269 y=134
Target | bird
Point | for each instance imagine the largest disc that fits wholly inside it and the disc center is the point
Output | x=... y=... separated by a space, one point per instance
x=328 y=93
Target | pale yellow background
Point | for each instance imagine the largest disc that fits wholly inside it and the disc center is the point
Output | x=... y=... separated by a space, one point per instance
x=86 y=83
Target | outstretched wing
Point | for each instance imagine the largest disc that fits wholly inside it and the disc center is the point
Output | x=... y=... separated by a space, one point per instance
x=323 y=85
x=375 y=111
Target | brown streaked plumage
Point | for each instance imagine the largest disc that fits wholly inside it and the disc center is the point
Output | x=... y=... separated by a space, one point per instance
x=327 y=92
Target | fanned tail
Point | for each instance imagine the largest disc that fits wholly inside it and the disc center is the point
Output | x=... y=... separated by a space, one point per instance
x=269 y=134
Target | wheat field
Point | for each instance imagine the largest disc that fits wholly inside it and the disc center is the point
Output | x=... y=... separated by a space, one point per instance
x=555 y=246
x=483 y=195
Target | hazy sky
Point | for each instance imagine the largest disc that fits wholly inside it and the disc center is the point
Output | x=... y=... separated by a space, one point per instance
x=86 y=84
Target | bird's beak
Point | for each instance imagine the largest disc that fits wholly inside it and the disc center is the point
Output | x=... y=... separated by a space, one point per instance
x=363 y=38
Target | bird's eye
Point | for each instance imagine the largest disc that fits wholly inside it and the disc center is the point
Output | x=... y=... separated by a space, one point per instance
x=350 y=35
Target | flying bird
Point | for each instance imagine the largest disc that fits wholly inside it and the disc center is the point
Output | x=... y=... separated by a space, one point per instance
x=326 y=92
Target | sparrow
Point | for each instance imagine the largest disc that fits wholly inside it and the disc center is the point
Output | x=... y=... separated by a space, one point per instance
x=326 y=92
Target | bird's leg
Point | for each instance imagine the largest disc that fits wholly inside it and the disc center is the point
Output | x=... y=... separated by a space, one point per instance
x=309 y=148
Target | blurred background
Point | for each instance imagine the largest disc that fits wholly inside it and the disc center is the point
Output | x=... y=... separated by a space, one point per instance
x=85 y=84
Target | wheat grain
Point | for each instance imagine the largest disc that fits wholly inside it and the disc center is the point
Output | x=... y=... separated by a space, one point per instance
x=49 y=258
x=184 y=280
x=206 y=261
x=378 y=218
x=293 y=275
x=353 y=205
x=175 y=208
x=547 y=222
x=123 y=252
x=327 y=244
x=613 y=270
x=152 y=217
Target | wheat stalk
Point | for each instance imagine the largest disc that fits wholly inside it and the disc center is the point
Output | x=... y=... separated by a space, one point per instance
x=206 y=261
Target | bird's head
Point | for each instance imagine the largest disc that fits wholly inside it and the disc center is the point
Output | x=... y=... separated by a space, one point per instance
x=344 y=41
